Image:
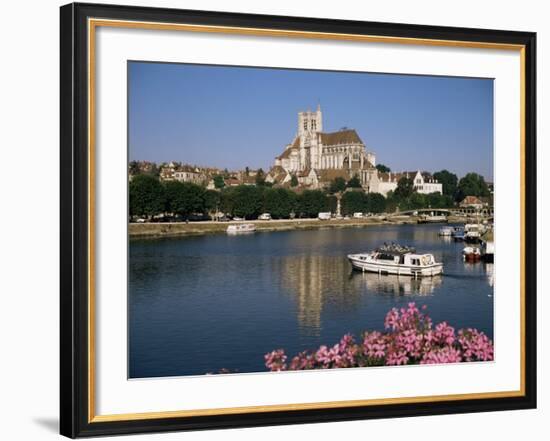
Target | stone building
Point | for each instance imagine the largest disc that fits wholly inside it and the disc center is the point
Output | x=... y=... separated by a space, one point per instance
x=315 y=157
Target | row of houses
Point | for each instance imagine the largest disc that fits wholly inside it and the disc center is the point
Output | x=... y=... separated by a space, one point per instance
x=371 y=179
x=175 y=171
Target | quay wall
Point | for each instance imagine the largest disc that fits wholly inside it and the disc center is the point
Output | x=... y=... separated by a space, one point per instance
x=152 y=230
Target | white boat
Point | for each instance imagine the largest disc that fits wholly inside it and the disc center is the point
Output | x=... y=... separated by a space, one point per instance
x=241 y=228
x=473 y=232
x=446 y=231
x=432 y=218
x=396 y=259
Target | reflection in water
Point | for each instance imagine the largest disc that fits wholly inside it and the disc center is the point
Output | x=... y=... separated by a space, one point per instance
x=399 y=285
x=446 y=239
x=490 y=269
x=314 y=281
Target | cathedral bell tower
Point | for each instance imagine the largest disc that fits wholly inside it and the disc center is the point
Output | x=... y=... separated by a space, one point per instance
x=309 y=124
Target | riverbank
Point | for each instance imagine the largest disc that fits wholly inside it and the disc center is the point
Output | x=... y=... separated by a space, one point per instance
x=200 y=228
x=176 y=229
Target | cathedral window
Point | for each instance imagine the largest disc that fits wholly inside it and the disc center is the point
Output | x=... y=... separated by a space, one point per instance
x=305 y=125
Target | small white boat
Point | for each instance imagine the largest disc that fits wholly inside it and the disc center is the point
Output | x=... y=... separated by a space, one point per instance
x=241 y=228
x=446 y=231
x=432 y=218
x=396 y=259
x=473 y=232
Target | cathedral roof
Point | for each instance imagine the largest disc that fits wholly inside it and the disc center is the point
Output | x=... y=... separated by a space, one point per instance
x=295 y=146
x=333 y=173
x=341 y=137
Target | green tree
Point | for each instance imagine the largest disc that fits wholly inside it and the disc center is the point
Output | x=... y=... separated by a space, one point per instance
x=219 y=183
x=405 y=188
x=416 y=200
x=449 y=181
x=247 y=201
x=211 y=201
x=354 y=202
x=337 y=185
x=438 y=200
x=472 y=185
x=294 y=181
x=184 y=198
x=332 y=203
x=376 y=203
x=383 y=168
x=312 y=202
x=354 y=182
x=133 y=168
x=260 y=177
x=155 y=170
x=392 y=202
x=147 y=196
x=279 y=202
x=227 y=200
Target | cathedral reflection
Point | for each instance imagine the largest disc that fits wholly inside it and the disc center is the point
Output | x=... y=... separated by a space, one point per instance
x=314 y=281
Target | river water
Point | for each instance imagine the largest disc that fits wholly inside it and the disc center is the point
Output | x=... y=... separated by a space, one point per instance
x=205 y=303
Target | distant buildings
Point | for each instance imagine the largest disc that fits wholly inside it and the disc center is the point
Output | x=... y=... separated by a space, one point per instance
x=183 y=173
x=473 y=202
x=423 y=182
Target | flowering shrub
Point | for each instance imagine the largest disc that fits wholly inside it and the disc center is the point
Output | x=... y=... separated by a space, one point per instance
x=410 y=338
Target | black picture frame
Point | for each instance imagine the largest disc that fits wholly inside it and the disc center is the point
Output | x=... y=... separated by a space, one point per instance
x=74 y=191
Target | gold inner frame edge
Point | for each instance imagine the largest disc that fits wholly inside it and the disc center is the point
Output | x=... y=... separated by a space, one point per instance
x=92 y=25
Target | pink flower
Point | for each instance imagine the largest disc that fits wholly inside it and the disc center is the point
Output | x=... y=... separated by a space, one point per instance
x=276 y=360
x=444 y=334
x=476 y=346
x=446 y=354
x=409 y=338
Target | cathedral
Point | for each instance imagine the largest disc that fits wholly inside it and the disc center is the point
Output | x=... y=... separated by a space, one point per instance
x=316 y=157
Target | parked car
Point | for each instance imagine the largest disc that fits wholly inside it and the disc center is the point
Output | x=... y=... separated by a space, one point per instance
x=264 y=216
x=357 y=215
x=324 y=215
x=140 y=220
x=238 y=218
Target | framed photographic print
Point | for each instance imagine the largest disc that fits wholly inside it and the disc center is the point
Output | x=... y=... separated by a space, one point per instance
x=273 y=220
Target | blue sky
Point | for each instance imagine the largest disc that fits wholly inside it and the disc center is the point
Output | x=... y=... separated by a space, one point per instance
x=232 y=117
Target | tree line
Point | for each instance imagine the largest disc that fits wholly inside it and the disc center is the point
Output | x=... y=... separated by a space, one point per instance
x=150 y=197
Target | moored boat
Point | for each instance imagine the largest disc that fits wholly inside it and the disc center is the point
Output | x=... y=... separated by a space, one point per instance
x=446 y=231
x=473 y=232
x=471 y=254
x=241 y=228
x=432 y=218
x=396 y=259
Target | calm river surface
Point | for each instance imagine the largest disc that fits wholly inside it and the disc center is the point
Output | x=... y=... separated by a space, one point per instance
x=201 y=304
